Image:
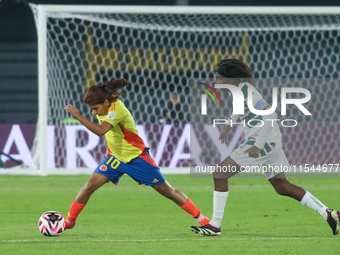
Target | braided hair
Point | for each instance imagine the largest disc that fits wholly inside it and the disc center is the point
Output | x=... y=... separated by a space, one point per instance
x=234 y=68
x=97 y=94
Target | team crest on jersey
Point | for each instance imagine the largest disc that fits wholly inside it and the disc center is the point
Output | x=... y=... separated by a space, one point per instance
x=111 y=115
x=103 y=167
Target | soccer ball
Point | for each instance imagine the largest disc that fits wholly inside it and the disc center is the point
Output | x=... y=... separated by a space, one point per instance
x=51 y=223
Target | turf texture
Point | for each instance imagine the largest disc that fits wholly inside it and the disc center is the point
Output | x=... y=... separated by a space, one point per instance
x=133 y=219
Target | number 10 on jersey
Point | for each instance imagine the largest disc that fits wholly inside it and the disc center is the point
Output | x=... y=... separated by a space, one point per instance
x=114 y=163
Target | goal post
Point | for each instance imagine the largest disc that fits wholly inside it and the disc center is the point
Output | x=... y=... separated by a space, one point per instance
x=158 y=49
x=43 y=91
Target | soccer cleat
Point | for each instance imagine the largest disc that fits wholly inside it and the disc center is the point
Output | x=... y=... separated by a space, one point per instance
x=69 y=224
x=333 y=219
x=206 y=230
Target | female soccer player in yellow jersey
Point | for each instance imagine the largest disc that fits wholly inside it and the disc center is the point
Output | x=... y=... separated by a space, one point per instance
x=127 y=153
x=262 y=146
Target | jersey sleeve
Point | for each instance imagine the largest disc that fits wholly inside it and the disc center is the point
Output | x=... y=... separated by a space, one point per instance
x=258 y=102
x=114 y=115
x=261 y=104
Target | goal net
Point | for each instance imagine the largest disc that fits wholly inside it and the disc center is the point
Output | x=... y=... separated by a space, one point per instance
x=158 y=49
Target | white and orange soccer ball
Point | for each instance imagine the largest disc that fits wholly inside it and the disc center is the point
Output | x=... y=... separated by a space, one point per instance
x=51 y=223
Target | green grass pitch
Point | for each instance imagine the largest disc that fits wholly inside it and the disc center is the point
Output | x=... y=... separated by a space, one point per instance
x=133 y=219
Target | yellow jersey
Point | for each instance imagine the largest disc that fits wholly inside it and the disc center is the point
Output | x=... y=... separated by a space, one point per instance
x=123 y=139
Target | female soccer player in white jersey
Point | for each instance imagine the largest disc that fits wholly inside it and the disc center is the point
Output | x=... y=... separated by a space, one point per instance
x=127 y=153
x=262 y=146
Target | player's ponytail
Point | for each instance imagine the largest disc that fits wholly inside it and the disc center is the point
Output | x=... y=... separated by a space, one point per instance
x=109 y=90
x=113 y=85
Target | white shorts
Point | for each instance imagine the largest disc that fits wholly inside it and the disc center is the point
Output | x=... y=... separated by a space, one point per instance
x=271 y=161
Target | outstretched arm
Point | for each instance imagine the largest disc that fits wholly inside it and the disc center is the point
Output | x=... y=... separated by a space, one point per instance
x=224 y=135
x=99 y=130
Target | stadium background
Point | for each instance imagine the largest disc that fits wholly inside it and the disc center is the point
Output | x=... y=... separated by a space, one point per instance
x=132 y=219
x=18 y=83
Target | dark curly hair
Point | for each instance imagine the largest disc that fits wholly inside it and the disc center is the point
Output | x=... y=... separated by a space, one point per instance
x=234 y=68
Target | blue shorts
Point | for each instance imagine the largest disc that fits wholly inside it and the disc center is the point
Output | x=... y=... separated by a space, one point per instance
x=142 y=169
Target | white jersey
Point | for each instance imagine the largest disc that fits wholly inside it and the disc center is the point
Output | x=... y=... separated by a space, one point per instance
x=263 y=136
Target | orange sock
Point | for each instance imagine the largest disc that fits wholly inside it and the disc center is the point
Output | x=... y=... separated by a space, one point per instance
x=191 y=208
x=75 y=209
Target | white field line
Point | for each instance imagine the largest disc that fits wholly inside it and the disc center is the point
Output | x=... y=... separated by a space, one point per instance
x=174 y=239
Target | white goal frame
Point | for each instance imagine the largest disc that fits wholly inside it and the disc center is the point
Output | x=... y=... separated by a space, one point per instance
x=43 y=10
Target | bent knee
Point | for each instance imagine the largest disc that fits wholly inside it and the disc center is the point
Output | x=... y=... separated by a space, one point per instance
x=170 y=193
